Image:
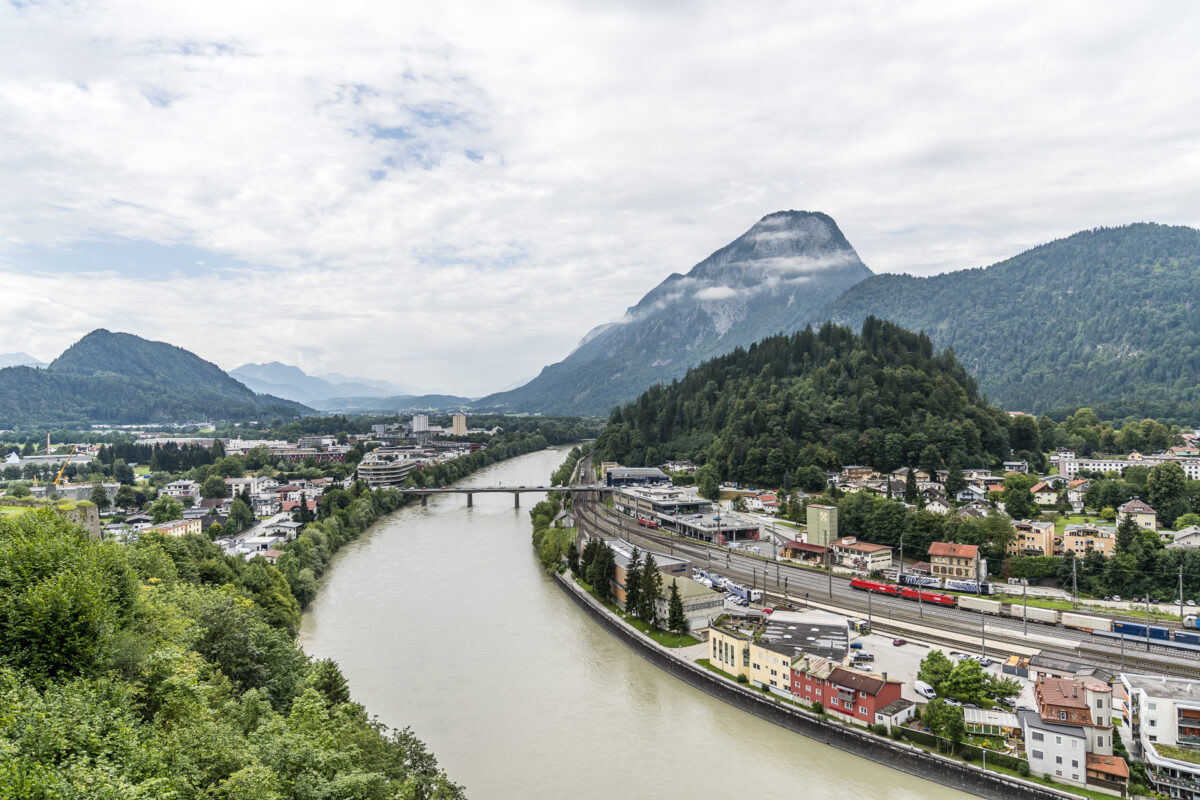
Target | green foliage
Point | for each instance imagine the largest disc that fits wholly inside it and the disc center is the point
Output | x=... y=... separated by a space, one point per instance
x=676 y=620
x=1103 y=318
x=649 y=591
x=813 y=399
x=165 y=509
x=187 y=687
x=708 y=483
x=99 y=496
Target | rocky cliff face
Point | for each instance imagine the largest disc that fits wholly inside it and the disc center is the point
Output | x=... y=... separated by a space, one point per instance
x=773 y=278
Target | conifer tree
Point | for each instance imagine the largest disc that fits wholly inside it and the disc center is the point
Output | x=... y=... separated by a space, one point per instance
x=910 y=486
x=650 y=591
x=633 y=582
x=676 y=620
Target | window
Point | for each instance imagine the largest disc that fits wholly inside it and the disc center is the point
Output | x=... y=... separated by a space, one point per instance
x=862 y=709
x=1058 y=759
x=1153 y=722
x=1062 y=715
x=1058 y=772
x=1058 y=740
x=1038 y=736
x=1038 y=755
x=1075 y=763
x=1152 y=706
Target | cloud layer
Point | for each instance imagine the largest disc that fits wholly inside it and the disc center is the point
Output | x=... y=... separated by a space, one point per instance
x=453 y=194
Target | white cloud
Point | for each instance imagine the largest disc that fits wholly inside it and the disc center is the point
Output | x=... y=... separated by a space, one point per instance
x=453 y=194
x=716 y=293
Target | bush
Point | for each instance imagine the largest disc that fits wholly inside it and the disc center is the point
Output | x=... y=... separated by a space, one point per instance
x=743 y=679
x=1023 y=769
x=897 y=733
x=817 y=707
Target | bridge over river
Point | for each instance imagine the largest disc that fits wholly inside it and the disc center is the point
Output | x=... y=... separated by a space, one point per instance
x=515 y=491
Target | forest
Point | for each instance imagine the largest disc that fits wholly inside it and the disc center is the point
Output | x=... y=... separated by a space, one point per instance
x=817 y=398
x=164 y=669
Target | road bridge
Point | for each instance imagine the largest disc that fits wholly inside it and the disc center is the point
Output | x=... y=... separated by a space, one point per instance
x=515 y=491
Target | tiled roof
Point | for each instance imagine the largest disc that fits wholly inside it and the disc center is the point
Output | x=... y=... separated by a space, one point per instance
x=953 y=550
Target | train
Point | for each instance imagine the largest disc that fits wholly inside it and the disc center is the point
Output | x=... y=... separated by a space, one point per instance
x=647 y=523
x=749 y=595
x=907 y=592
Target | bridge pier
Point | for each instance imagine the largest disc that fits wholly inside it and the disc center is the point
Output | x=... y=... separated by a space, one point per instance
x=470 y=499
x=424 y=499
x=516 y=499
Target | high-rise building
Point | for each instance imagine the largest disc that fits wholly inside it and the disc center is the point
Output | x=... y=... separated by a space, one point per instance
x=822 y=525
x=420 y=423
x=458 y=423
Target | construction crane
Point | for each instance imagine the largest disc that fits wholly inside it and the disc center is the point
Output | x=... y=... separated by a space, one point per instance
x=58 y=478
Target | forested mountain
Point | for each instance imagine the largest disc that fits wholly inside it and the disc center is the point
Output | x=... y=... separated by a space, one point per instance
x=120 y=378
x=815 y=399
x=1107 y=318
x=771 y=279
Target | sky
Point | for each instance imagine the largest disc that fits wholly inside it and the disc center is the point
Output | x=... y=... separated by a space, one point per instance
x=450 y=195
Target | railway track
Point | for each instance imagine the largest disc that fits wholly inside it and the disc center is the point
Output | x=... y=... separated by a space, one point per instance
x=803 y=584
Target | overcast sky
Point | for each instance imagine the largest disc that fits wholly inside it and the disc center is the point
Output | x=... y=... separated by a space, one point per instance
x=451 y=194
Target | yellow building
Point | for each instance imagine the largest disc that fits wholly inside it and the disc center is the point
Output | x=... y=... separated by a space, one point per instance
x=1143 y=515
x=1032 y=538
x=458 y=424
x=1084 y=539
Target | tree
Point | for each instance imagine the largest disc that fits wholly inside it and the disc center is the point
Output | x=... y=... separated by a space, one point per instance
x=240 y=516
x=633 y=583
x=1128 y=534
x=326 y=677
x=910 y=487
x=165 y=509
x=1019 y=503
x=650 y=591
x=125 y=497
x=216 y=531
x=676 y=620
x=217 y=450
x=955 y=482
x=573 y=558
x=967 y=680
x=20 y=491
x=708 y=483
x=123 y=473
x=213 y=487
x=1186 y=521
x=100 y=496
x=1165 y=485
x=935 y=669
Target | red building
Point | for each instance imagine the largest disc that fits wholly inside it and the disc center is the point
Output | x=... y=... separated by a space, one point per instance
x=854 y=694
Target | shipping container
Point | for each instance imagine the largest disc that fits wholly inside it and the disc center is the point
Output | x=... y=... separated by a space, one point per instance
x=1187 y=637
x=979 y=604
x=1086 y=623
x=1035 y=613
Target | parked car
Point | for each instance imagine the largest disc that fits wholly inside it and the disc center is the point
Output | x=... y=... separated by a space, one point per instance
x=1116 y=598
x=950 y=701
x=863 y=667
x=856 y=645
x=860 y=656
x=985 y=662
x=899 y=642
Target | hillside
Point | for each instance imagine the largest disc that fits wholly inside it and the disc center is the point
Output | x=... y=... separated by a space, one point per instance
x=19 y=360
x=120 y=378
x=771 y=279
x=814 y=400
x=1107 y=318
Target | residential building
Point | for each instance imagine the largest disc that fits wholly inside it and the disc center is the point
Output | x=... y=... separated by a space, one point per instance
x=181 y=488
x=953 y=560
x=1143 y=515
x=458 y=425
x=179 y=527
x=1186 y=538
x=1070 y=736
x=1164 y=716
x=856 y=472
x=1045 y=494
x=764 y=651
x=383 y=473
x=316 y=441
x=990 y=722
x=822 y=525
x=1033 y=538
x=861 y=556
x=849 y=693
x=1088 y=538
x=420 y=423
x=895 y=713
x=1016 y=466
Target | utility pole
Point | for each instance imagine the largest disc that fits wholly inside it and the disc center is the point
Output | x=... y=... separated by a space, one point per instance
x=1025 y=605
x=982 y=636
x=1074 y=586
x=1181 y=594
x=900 y=577
x=870 y=623
x=829 y=569
x=1147 y=623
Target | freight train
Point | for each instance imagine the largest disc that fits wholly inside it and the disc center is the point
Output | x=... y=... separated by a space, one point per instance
x=1103 y=627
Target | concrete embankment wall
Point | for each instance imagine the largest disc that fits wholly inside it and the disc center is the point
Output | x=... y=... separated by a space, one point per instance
x=904 y=757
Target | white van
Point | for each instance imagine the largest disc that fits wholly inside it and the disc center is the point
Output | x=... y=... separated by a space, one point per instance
x=924 y=689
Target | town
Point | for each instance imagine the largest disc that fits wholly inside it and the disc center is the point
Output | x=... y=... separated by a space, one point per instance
x=1088 y=718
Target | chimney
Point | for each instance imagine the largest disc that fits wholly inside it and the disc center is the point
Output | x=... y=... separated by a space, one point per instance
x=885 y=681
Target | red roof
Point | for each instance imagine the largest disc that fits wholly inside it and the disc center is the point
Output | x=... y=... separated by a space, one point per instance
x=1108 y=765
x=953 y=550
x=805 y=547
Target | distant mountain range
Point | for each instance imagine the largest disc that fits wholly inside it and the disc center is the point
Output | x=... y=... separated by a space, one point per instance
x=773 y=278
x=19 y=360
x=393 y=404
x=119 y=378
x=1107 y=318
x=285 y=380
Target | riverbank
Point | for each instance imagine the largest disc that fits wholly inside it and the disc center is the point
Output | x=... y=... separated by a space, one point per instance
x=904 y=757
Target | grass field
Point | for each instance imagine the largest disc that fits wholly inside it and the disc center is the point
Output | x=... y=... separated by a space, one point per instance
x=12 y=511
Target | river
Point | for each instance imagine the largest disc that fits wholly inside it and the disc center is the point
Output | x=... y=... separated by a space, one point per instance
x=442 y=620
